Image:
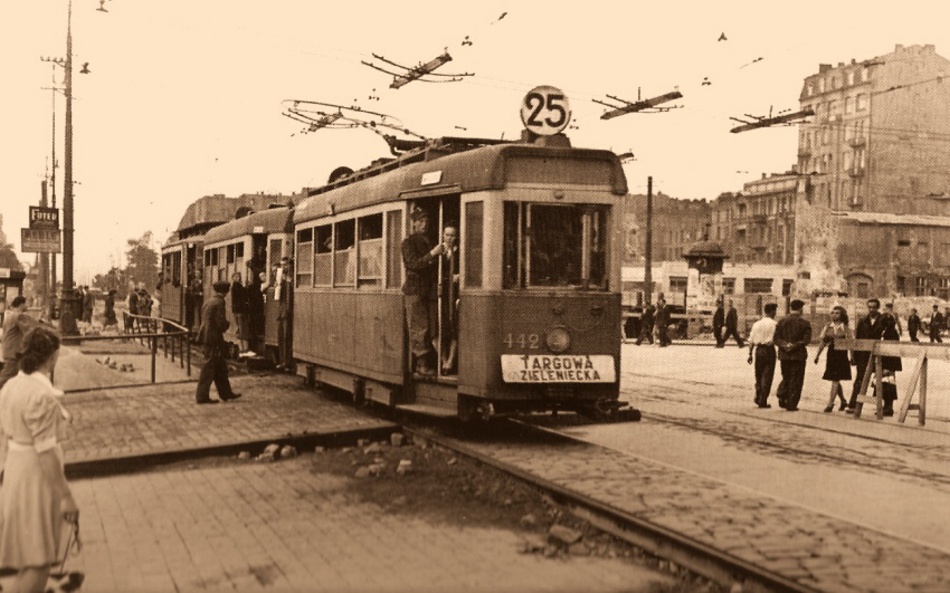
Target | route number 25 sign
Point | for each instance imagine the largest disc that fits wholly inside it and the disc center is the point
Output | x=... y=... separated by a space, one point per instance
x=545 y=110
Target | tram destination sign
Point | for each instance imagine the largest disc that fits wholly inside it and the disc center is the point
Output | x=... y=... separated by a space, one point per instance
x=41 y=241
x=558 y=368
x=44 y=218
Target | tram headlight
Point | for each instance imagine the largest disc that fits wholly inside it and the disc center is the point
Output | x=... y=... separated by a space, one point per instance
x=557 y=339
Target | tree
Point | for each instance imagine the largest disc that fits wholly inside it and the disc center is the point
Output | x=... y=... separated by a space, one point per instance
x=8 y=258
x=114 y=278
x=142 y=262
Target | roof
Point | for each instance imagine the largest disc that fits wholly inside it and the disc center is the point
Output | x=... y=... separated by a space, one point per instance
x=175 y=242
x=886 y=218
x=705 y=249
x=272 y=220
x=219 y=208
x=485 y=167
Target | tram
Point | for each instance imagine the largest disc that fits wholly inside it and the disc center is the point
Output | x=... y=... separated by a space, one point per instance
x=538 y=301
x=252 y=246
x=180 y=258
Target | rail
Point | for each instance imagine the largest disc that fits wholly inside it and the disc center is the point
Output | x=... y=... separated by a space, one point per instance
x=149 y=331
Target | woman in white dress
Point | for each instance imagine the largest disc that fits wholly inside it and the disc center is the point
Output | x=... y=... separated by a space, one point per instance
x=36 y=499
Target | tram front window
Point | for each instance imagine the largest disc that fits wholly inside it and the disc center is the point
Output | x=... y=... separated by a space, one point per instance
x=566 y=245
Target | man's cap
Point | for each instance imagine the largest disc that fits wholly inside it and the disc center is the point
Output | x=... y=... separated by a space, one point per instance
x=418 y=214
x=796 y=305
x=222 y=287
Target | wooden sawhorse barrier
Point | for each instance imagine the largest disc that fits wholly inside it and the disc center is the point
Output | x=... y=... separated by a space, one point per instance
x=914 y=350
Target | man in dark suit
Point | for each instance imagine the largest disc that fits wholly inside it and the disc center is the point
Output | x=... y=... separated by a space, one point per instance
x=732 y=327
x=719 y=320
x=646 y=324
x=214 y=323
x=913 y=325
x=419 y=291
x=875 y=326
x=792 y=336
x=936 y=325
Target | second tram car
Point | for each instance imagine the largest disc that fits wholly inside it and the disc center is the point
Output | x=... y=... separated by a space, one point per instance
x=538 y=300
x=252 y=246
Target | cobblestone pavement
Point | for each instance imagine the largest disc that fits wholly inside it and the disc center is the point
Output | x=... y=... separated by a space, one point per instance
x=127 y=422
x=279 y=527
x=818 y=550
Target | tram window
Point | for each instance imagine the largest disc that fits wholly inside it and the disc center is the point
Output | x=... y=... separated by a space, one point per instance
x=304 y=262
x=323 y=255
x=512 y=233
x=370 y=269
x=566 y=245
x=230 y=252
x=344 y=262
x=472 y=249
x=276 y=246
x=394 y=249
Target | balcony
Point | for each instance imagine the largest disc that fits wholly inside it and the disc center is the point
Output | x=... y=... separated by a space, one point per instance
x=759 y=218
x=857 y=141
x=856 y=172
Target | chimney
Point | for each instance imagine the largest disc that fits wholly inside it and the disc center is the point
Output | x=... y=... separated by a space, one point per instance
x=840 y=64
x=764 y=176
x=822 y=68
x=898 y=47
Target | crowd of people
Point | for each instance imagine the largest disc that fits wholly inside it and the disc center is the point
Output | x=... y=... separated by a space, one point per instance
x=787 y=341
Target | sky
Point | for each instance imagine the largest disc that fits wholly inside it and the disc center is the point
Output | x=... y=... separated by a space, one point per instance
x=185 y=98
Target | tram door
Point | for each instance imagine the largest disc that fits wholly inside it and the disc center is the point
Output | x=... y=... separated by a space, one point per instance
x=443 y=213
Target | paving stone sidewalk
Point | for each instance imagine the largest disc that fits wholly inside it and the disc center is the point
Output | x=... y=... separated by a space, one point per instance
x=280 y=527
x=820 y=551
x=124 y=423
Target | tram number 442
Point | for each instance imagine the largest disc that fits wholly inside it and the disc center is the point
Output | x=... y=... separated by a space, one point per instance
x=524 y=341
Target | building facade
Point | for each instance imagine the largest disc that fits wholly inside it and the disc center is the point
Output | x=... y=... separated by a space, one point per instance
x=875 y=161
x=758 y=225
x=677 y=225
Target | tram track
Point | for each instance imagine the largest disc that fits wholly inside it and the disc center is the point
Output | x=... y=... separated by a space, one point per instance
x=670 y=545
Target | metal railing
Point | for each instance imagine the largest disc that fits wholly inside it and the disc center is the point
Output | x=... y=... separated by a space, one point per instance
x=153 y=332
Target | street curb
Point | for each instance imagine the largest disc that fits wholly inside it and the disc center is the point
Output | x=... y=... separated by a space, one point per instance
x=99 y=468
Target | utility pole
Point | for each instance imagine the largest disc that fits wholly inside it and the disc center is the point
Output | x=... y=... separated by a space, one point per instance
x=648 y=252
x=42 y=289
x=52 y=267
x=67 y=317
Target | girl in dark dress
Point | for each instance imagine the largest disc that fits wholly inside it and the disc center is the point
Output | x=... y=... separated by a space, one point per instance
x=837 y=365
x=110 y=309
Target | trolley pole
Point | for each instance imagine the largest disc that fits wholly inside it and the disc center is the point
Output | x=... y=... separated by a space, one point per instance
x=648 y=252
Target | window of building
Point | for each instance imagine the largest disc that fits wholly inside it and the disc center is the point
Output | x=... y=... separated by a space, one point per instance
x=920 y=286
x=849 y=105
x=394 y=249
x=834 y=82
x=304 y=262
x=865 y=74
x=901 y=284
x=472 y=247
x=323 y=255
x=787 y=287
x=864 y=290
x=344 y=253
x=850 y=77
x=821 y=85
x=370 y=249
x=943 y=288
x=862 y=102
x=923 y=251
x=728 y=286
x=678 y=284
x=757 y=285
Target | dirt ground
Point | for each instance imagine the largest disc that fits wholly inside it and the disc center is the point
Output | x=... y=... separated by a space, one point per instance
x=443 y=487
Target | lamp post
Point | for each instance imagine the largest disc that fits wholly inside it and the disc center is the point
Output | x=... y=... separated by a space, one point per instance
x=67 y=319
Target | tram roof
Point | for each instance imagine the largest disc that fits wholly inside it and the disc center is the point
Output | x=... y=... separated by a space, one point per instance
x=273 y=220
x=481 y=168
x=218 y=208
x=175 y=242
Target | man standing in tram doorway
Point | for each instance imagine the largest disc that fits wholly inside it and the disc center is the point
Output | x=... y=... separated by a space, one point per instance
x=421 y=261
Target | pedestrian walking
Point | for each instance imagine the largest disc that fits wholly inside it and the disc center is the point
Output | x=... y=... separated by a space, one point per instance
x=133 y=303
x=88 y=304
x=16 y=324
x=646 y=324
x=792 y=336
x=718 y=322
x=211 y=336
x=913 y=325
x=732 y=327
x=837 y=361
x=936 y=325
x=762 y=343
x=662 y=323
x=36 y=500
